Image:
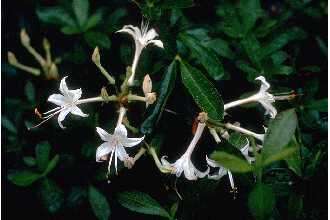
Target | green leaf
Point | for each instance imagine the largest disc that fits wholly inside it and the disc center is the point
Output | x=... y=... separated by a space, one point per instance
x=238 y=140
x=279 y=57
x=76 y=196
x=251 y=45
x=51 y=165
x=113 y=20
x=280 y=41
x=320 y=105
x=322 y=45
x=174 y=209
x=29 y=161
x=52 y=195
x=97 y=39
x=70 y=30
x=249 y=11
x=42 y=155
x=155 y=111
x=94 y=20
x=80 y=9
x=6 y=123
x=204 y=55
x=175 y=4
x=30 y=92
x=142 y=203
x=231 y=24
x=221 y=47
x=203 y=92
x=23 y=178
x=231 y=162
x=281 y=155
x=265 y=27
x=247 y=68
x=261 y=201
x=294 y=160
x=279 y=133
x=55 y=15
x=98 y=203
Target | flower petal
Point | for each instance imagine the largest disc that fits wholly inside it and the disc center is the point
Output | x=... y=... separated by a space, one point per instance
x=75 y=94
x=121 y=131
x=270 y=109
x=121 y=153
x=105 y=136
x=103 y=150
x=77 y=111
x=135 y=32
x=151 y=34
x=264 y=84
x=63 y=87
x=157 y=43
x=57 y=99
x=62 y=116
x=131 y=142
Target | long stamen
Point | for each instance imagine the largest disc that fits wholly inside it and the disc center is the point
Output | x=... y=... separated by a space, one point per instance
x=116 y=161
x=110 y=161
x=46 y=119
x=52 y=110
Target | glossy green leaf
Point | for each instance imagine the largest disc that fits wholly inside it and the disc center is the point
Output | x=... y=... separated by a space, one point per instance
x=113 y=21
x=320 y=105
x=247 y=68
x=279 y=133
x=221 y=47
x=70 y=30
x=52 y=195
x=98 y=203
x=97 y=39
x=238 y=140
x=231 y=25
x=29 y=161
x=23 y=178
x=51 y=165
x=204 y=55
x=142 y=203
x=294 y=160
x=249 y=11
x=265 y=27
x=203 y=91
x=155 y=111
x=251 y=45
x=261 y=201
x=30 y=92
x=6 y=123
x=281 y=155
x=94 y=20
x=231 y=162
x=55 y=15
x=42 y=155
x=279 y=57
x=80 y=9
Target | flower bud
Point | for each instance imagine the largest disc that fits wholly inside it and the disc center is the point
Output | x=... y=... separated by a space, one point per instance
x=25 y=39
x=53 y=72
x=150 y=98
x=46 y=44
x=96 y=56
x=11 y=58
x=202 y=117
x=147 y=84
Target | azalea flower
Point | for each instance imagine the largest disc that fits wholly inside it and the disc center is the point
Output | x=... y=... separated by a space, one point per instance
x=67 y=103
x=263 y=97
x=115 y=145
x=184 y=163
x=142 y=37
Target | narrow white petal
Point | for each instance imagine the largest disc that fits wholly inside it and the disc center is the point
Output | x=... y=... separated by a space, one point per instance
x=270 y=109
x=105 y=136
x=211 y=163
x=151 y=34
x=135 y=32
x=77 y=111
x=264 y=84
x=121 y=153
x=231 y=180
x=75 y=94
x=63 y=87
x=121 y=131
x=131 y=142
x=57 y=99
x=157 y=43
x=62 y=116
x=103 y=150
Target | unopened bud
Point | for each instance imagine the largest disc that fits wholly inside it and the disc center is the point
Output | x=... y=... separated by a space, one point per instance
x=46 y=44
x=147 y=84
x=12 y=58
x=96 y=56
x=202 y=117
x=53 y=72
x=25 y=39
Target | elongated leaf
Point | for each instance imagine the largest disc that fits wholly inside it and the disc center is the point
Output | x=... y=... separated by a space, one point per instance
x=23 y=178
x=97 y=39
x=231 y=162
x=30 y=92
x=279 y=133
x=283 y=154
x=206 y=56
x=221 y=47
x=261 y=201
x=249 y=11
x=202 y=90
x=52 y=195
x=142 y=203
x=94 y=20
x=80 y=9
x=294 y=161
x=29 y=161
x=55 y=15
x=98 y=203
x=42 y=155
x=154 y=112
x=251 y=45
x=51 y=165
x=6 y=123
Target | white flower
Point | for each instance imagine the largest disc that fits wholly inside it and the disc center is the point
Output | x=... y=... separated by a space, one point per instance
x=67 y=103
x=265 y=98
x=142 y=37
x=115 y=144
x=184 y=164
